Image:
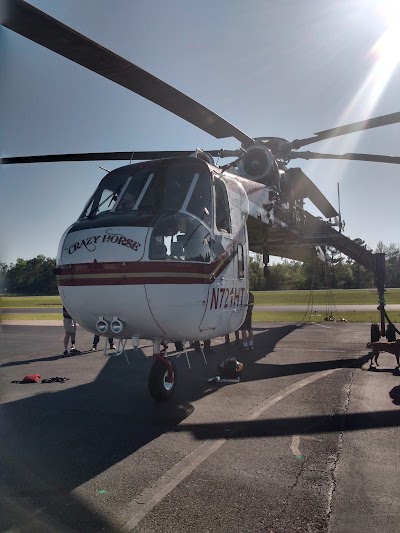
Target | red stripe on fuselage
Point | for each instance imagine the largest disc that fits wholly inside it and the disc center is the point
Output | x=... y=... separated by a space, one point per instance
x=142 y=273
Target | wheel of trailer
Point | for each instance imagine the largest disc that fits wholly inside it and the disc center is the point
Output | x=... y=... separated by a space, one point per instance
x=391 y=332
x=160 y=388
x=375 y=333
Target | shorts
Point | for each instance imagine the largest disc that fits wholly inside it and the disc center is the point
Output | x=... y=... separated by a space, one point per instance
x=69 y=325
x=246 y=326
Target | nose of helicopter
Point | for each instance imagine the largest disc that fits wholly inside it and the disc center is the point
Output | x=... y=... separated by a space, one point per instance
x=100 y=278
x=116 y=282
x=128 y=304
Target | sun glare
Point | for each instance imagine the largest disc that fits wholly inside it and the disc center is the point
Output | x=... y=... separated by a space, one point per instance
x=385 y=57
x=385 y=54
x=387 y=49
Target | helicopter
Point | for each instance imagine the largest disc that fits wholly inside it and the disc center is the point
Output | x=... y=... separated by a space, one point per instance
x=160 y=250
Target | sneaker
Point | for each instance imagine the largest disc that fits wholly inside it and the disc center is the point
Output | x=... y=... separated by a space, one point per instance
x=251 y=347
x=94 y=348
x=113 y=347
x=65 y=353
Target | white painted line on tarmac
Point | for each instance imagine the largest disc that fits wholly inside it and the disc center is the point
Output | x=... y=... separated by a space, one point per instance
x=295 y=446
x=140 y=507
x=296 y=443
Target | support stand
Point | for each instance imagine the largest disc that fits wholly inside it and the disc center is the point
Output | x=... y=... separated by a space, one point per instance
x=119 y=351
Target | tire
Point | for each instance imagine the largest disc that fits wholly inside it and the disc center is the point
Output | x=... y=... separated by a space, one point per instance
x=390 y=333
x=375 y=333
x=160 y=389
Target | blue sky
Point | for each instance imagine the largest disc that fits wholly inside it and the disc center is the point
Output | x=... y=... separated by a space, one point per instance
x=284 y=68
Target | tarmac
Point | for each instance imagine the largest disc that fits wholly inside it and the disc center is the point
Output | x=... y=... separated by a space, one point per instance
x=305 y=442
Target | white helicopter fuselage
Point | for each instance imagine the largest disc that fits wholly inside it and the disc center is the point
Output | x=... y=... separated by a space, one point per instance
x=171 y=267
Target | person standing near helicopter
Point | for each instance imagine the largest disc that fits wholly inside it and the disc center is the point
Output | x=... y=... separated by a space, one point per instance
x=70 y=333
x=247 y=328
x=96 y=340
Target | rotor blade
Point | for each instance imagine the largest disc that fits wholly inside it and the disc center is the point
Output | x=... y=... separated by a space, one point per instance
x=370 y=123
x=110 y=156
x=373 y=158
x=99 y=156
x=303 y=187
x=39 y=27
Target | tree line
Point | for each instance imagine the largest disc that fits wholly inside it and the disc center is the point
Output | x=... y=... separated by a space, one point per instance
x=35 y=276
x=339 y=272
x=29 y=276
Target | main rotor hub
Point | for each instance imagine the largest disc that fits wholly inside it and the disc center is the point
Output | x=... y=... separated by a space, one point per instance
x=277 y=145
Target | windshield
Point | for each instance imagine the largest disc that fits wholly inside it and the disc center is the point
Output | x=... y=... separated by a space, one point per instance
x=123 y=181
x=183 y=184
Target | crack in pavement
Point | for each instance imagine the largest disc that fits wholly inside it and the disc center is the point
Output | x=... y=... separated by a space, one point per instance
x=332 y=465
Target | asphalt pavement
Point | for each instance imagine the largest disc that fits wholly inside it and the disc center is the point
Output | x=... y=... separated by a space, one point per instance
x=306 y=442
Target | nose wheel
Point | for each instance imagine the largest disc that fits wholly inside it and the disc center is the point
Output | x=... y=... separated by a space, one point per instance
x=162 y=378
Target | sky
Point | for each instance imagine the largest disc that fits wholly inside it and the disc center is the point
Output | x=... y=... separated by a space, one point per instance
x=284 y=68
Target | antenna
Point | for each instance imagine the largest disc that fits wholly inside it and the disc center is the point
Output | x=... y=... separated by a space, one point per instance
x=340 y=214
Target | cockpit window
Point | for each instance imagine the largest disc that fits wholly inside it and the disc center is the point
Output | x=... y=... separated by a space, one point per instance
x=168 y=188
x=103 y=200
x=200 y=201
x=222 y=212
x=131 y=193
x=169 y=185
x=179 y=237
x=115 y=190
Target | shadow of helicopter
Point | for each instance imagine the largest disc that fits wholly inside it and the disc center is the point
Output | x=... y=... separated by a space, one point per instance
x=53 y=442
x=295 y=426
x=41 y=359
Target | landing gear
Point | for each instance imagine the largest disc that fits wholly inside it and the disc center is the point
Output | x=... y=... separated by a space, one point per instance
x=162 y=377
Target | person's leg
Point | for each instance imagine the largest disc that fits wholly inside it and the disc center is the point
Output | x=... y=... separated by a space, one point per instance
x=96 y=339
x=111 y=343
x=237 y=336
x=73 y=338
x=207 y=346
x=226 y=339
x=250 y=341
x=244 y=338
x=66 y=339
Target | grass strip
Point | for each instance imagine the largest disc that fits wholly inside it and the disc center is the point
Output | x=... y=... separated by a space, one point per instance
x=321 y=297
x=30 y=301
x=297 y=316
x=30 y=316
x=258 y=316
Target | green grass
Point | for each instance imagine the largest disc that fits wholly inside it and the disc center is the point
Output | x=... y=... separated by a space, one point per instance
x=361 y=297
x=296 y=316
x=258 y=316
x=339 y=297
x=30 y=316
x=350 y=296
x=30 y=301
